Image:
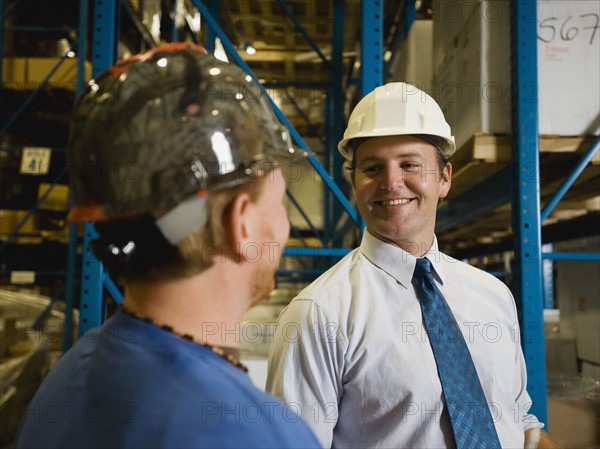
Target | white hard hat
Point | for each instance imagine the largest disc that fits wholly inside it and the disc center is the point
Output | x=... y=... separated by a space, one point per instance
x=396 y=109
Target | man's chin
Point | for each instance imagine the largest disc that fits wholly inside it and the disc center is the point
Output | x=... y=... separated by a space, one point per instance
x=263 y=292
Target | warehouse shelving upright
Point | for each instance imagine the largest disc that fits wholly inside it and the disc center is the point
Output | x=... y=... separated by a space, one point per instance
x=526 y=201
x=79 y=46
x=523 y=175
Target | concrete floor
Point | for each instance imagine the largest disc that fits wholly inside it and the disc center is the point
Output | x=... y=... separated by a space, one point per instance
x=574 y=422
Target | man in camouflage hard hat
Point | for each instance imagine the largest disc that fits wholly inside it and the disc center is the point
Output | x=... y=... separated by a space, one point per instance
x=175 y=157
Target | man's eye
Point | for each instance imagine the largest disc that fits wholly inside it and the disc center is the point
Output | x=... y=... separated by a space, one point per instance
x=411 y=166
x=371 y=169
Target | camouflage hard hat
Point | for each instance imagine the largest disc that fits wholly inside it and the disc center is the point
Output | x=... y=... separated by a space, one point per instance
x=165 y=126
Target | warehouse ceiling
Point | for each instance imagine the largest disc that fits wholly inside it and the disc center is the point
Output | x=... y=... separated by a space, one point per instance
x=282 y=51
x=275 y=32
x=274 y=38
x=282 y=57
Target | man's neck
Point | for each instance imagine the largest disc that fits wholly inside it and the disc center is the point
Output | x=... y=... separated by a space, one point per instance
x=207 y=306
x=417 y=249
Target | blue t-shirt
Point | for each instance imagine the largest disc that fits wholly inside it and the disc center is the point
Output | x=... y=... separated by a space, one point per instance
x=132 y=384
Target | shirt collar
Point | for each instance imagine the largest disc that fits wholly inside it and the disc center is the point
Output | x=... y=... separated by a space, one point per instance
x=436 y=257
x=396 y=262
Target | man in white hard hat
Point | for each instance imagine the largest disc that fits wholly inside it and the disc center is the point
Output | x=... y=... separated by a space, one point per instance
x=399 y=345
x=180 y=177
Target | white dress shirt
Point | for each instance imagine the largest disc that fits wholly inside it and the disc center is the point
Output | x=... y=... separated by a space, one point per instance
x=351 y=355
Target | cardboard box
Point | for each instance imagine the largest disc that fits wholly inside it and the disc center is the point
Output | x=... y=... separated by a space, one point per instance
x=14 y=73
x=569 y=67
x=578 y=297
x=57 y=199
x=573 y=421
x=561 y=356
x=410 y=66
x=472 y=67
x=308 y=189
x=9 y=219
x=590 y=370
x=28 y=73
x=471 y=57
x=65 y=76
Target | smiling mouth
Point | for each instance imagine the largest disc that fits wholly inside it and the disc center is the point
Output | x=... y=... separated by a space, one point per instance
x=395 y=202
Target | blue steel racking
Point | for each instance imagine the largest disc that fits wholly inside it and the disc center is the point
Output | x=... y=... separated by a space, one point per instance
x=93 y=275
x=103 y=55
x=526 y=211
x=81 y=53
x=526 y=202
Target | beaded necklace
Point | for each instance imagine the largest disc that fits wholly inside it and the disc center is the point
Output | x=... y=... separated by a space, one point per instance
x=220 y=352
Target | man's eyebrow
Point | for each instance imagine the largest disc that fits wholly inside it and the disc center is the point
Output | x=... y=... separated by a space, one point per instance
x=370 y=159
x=375 y=158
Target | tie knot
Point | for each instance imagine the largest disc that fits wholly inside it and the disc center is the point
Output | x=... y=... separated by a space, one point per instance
x=423 y=267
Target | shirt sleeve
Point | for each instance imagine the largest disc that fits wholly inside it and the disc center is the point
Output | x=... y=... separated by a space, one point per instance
x=305 y=366
x=523 y=401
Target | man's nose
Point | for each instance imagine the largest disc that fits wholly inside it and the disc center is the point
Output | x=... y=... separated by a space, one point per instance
x=391 y=178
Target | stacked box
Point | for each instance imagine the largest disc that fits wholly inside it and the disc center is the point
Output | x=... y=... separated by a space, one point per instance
x=472 y=63
x=21 y=73
x=410 y=66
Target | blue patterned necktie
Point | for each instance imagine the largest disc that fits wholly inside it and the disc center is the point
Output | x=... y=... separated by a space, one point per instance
x=470 y=415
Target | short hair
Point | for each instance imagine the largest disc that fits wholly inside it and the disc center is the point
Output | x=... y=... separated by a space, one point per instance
x=154 y=258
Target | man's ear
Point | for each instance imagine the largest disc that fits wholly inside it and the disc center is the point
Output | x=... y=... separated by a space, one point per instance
x=237 y=221
x=446 y=180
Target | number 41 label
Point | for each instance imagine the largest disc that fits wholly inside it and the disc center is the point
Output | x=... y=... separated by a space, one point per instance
x=35 y=161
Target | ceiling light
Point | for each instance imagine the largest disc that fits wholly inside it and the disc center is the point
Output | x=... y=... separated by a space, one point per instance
x=220 y=51
x=248 y=47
